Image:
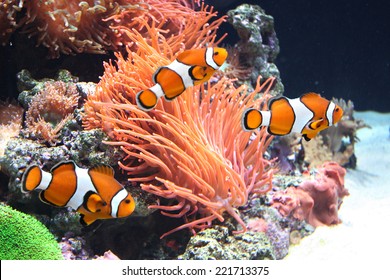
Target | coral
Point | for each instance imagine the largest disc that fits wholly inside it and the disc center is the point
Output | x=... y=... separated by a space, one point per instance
x=107 y=256
x=337 y=143
x=258 y=46
x=341 y=139
x=287 y=150
x=316 y=152
x=279 y=239
x=316 y=201
x=216 y=244
x=29 y=87
x=22 y=237
x=191 y=150
x=8 y=11
x=64 y=222
x=49 y=110
x=333 y=144
x=74 y=248
x=10 y=123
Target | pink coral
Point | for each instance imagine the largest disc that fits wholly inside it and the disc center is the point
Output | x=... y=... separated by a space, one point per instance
x=315 y=201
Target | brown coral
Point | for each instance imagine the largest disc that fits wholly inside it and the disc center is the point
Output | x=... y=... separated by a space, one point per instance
x=50 y=109
x=315 y=201
x=191 y=151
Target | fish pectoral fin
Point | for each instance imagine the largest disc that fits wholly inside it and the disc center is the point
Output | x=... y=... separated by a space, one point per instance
x=198 y=73
x=93 y=202
x=314 y=125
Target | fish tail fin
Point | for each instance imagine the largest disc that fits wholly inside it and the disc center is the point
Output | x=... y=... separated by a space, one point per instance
x=251 y=119
x=146 y=100
x=32 y=178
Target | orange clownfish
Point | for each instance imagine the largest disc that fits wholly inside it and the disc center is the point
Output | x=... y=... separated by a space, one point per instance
x=93 y=192
x=190 y=68
x=308 y=115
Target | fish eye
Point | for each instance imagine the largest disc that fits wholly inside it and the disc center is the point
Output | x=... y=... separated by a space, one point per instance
x=216 y=53
x=127 y=201
x=337 y=109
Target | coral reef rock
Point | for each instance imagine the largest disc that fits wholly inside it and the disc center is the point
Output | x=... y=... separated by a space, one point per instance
x=258 y=46
x=216 y=244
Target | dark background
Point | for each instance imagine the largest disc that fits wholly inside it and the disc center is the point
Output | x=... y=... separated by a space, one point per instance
x=338 y=48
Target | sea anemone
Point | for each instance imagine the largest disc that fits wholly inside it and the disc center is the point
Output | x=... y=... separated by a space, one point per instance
x=76 y=26
x=191 y=151
x=8 y=11
x=50 y=109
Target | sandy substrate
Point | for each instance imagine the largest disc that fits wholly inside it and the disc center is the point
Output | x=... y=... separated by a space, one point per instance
x=365 y=230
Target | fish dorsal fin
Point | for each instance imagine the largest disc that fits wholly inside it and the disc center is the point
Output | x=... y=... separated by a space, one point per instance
x=191 y=57
x=314 y=125
x=63 y=166
x=311 y=94
x=93 y=202
x=103 y=169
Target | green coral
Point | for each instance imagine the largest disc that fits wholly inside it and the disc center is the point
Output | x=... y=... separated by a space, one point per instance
x=22 y=237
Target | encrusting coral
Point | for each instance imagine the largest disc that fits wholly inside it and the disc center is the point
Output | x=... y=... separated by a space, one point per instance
x=191 y=150
x=22 y=237
x=315 y=201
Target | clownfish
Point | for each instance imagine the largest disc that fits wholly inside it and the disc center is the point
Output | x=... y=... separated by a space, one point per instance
x=93 y=192
x=190 y=68
x=308 y=115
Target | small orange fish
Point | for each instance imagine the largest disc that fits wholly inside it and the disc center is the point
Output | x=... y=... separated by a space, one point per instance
x=308 y=115
x=93 y=192
x=190 y=68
